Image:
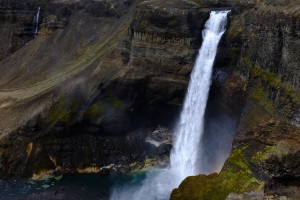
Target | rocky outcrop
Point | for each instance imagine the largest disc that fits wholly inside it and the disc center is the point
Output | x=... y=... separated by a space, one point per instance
x=235 y=177
x=79 y=153
x=263 y=160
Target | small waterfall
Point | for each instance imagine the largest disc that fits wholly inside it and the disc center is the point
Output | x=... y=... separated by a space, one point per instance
x=36 y=22
x=185 y=154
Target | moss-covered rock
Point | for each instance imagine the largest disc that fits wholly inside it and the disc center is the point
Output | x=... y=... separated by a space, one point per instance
x=273 y=95
x=62 y=111
x=280 y=160
x=94 y=110
x=268 y=153
x=236 y=176
x=116 y=103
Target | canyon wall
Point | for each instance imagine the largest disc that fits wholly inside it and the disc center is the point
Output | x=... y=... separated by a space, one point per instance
x=104 y=73
x=103 y=76
x=260 y=51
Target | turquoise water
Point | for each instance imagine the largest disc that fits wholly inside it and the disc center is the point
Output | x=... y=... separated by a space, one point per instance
x=86 y=186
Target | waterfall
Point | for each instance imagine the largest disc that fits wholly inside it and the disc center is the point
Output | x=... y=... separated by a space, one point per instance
x=36 y=22
x=188 y=134
x=185 y=154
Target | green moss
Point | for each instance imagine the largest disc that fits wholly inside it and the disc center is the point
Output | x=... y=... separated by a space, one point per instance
x=99 y=108
x=274 y=82
x=116 y=103
x=262 y=96
x=280 y=149
x=272 y=79
x=58 y=112
x=233 y=52
x=236 y=177
x=256 y=115
x=246 y=61
x=261 y=155
x=94 y=110
x=236 y=28
x=291 y=92
x=62 y=111
x=237 y=158
x=265 y=82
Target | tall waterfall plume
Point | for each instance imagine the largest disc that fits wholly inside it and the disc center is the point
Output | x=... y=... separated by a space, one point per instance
x=36 y=22
x=159 y=183
x=185 y=153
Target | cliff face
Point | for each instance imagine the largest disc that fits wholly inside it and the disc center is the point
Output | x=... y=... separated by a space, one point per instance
x=101 y=76
x=16 y=22
x=16 y=18
x=163 y=40
x=48 y=88
x=270 y=56
x=260 y=48
x=95 y=75
x=272 y=34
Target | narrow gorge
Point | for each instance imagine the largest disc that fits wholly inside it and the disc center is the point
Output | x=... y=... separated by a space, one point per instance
x=133 y=99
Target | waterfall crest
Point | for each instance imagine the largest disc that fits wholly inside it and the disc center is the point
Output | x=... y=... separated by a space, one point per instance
x=185 y=154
